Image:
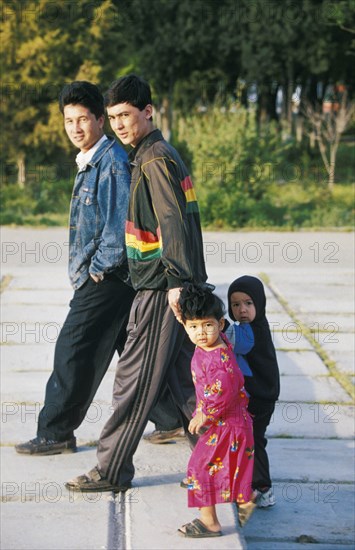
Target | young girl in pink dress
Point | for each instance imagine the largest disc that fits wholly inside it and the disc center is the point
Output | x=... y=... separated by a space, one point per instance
x=221 y=465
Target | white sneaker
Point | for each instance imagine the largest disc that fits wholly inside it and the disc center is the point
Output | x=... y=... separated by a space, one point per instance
x=264 y=500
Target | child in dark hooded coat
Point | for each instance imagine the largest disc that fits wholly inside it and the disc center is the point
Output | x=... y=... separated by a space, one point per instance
x=246 y=303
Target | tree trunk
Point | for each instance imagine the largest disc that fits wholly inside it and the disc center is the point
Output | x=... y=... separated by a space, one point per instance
x=331 y=177
x=332 y=160
x=21 y=170
x=288 y=102
x=262 y=112
x=312 y=140
x=266 y=108
x=272 y=105
x=299 y=128
x=166 y=118
x=311 y=91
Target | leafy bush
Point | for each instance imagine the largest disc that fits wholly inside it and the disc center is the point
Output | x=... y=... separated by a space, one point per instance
x=52 y=196
x=248 y=177
x=245 y=177
x=45 y=203
x=16 y=204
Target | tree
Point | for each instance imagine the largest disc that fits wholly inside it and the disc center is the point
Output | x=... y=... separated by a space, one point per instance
x=174 y=44
x=45 y=45
x=192 y=53
x=328 y=128
x=288 y=44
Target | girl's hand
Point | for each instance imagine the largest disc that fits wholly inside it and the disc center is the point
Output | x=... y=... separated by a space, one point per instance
x=197 y=422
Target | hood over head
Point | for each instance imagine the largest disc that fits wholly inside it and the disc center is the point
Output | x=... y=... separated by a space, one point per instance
x=254 y=288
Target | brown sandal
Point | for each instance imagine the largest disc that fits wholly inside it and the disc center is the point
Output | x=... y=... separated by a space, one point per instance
x=197 y=530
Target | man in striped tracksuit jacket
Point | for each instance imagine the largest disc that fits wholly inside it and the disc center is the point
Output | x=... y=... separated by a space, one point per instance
x=164 y=249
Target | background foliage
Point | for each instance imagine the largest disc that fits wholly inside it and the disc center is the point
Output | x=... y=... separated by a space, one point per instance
x=229 y=80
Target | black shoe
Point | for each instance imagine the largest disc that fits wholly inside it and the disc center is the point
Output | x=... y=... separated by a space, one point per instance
x=165 y=436
x=93 y=482
x=42 y=446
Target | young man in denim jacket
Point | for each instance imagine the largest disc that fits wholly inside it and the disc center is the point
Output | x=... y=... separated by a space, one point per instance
x=98 y=272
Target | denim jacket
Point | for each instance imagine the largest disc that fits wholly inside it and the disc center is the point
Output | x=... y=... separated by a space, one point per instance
x=97 y=216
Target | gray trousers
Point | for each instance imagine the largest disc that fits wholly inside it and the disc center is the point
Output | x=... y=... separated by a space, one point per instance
x=157 y=351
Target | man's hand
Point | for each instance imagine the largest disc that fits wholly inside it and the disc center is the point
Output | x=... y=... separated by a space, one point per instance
x=173 y=300
x=95 y=278
x=197 y=422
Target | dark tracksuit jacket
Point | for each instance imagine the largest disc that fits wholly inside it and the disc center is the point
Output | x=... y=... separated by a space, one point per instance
x=164 y=249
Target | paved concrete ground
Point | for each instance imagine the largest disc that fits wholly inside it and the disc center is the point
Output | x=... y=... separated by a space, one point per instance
x=311 y=447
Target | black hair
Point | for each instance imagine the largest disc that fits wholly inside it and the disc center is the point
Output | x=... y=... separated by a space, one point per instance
x=82 y=93
x=130 y=89
x=199 y=302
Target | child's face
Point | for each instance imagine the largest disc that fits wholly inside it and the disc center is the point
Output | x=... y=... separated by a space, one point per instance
x=204 y=333
x=243 y=307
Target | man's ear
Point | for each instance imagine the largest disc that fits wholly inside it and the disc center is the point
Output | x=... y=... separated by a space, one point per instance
x=148 y=111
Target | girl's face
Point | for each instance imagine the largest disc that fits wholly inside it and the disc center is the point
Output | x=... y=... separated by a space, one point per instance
x=243 y=307
x=204 y=333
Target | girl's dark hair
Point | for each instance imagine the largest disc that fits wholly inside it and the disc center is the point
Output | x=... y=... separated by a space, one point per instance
x=84 y=93
x=130 y=89
x=198 y=302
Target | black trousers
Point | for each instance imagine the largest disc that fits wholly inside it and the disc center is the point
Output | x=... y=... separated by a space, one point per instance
x=157 y=352
x=165 y=413
x=262 y=412
x=94 y=328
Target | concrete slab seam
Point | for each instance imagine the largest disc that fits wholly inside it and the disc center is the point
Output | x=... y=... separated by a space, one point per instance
x=128 y=521
x=116 y=523
x=331 y=365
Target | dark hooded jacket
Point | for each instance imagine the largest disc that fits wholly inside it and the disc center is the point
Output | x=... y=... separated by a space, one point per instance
x=265 y=382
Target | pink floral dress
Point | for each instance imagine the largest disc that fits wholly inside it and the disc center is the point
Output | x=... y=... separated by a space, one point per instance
x=221 y=465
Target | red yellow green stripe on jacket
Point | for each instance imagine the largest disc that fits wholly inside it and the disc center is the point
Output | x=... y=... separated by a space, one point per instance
x=191 y=200
x=142 y=245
